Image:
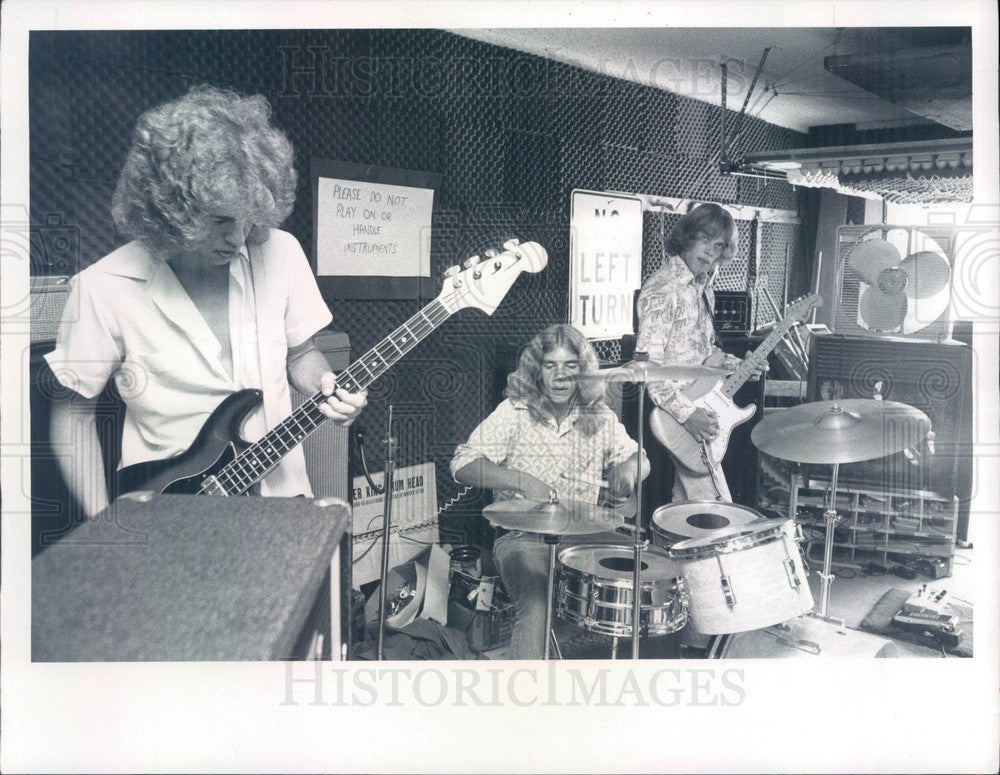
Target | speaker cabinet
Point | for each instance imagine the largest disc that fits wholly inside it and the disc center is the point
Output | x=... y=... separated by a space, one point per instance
x=195 y=577
x=935 y=377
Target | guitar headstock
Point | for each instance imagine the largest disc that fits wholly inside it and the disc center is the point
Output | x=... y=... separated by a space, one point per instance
x=797 y=310
x=483 y=282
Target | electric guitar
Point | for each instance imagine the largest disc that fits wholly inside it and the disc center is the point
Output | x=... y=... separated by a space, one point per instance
x=220 y=462
x=716 y=396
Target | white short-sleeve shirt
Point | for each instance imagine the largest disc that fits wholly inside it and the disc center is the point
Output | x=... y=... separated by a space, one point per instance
x=128 y=317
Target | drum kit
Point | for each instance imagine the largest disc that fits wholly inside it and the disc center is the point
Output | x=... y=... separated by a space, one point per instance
x=725 y=567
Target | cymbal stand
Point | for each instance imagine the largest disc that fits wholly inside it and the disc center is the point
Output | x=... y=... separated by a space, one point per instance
x=794 y=482
x=552 y=541
x=390 y=470
x=637 y=554
x=830 y=515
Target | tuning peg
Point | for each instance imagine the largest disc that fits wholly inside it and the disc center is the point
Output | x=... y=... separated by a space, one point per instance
x=511 y=244
x=451 y=271
x=471 y=261
x=491 y=252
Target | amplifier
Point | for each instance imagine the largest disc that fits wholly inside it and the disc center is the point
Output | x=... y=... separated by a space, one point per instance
x=733 y=313
x=196 y=577
x=934 y=377
x=48 y=299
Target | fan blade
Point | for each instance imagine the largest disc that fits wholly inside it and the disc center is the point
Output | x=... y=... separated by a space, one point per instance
x=920 y=313
x=928 y=272
x=881 y=311
x=871 y=258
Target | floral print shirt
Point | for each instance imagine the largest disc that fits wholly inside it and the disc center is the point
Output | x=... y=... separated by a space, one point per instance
x=676 y=327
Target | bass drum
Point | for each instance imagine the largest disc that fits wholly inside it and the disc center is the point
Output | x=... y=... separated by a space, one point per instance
x=805 y=636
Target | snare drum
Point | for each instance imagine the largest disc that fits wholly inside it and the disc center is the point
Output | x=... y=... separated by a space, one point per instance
x=744 y=578
x=683 y=520
x=595 y=590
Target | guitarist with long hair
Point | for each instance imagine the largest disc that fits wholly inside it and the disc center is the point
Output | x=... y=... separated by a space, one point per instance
x=208 y=298
x=676 y=326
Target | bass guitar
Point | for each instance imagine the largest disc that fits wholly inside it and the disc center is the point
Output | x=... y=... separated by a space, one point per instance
x=717 y=396
x=221 y=462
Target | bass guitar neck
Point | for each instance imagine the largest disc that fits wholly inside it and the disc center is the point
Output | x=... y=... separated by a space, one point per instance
x=220 y=462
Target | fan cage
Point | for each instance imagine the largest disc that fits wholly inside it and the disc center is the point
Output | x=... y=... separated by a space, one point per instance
x=850 y=285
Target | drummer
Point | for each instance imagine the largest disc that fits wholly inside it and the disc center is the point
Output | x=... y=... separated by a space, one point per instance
x=551 y=437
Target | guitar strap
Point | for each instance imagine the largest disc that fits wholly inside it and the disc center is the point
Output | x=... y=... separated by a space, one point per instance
x=252 y=251
x=708 y=297
x=713 y=471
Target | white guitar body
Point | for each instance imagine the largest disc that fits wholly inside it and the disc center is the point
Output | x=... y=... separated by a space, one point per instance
x=716 y=396
x=682 y=444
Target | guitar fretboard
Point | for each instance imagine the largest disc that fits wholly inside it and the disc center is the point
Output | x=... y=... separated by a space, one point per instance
x=247 y=468
x=735 y=380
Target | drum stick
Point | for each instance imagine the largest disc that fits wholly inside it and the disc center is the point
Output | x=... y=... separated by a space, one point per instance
x=588 y=482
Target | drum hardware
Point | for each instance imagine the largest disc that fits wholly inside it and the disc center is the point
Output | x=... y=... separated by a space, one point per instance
x=793 y=579
x=795 y=481
x=808 y=646
x=835 y=432
x=552 y=541
x=390 y=468
x=726 y=584
x=804 y=636
x=552 y=520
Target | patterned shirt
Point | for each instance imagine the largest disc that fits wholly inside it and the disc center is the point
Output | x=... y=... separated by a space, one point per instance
x=676 y=327
x=512 y=438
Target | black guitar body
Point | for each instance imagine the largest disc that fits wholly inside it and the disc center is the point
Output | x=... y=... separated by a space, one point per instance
x=216 y=444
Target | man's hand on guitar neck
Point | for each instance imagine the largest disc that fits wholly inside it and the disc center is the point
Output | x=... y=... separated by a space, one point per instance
x=729 y=361
x=309 y=371
x=703 y=424
x=341 y=406
x=761 y=369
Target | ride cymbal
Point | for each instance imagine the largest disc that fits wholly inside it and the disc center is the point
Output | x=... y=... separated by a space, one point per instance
x=843 y=431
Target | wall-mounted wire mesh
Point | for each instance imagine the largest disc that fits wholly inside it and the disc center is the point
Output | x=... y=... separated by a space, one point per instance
x=510 y=134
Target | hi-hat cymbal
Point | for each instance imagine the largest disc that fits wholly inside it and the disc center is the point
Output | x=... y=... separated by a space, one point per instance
x=843 y=431
x=563 y=518
x=649 y=371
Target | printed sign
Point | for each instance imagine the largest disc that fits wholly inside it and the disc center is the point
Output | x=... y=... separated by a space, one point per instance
x=414 y=500
x=373 y=229
x=605 y=262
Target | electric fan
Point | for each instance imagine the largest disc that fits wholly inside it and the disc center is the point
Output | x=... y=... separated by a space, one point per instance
x=896 y=281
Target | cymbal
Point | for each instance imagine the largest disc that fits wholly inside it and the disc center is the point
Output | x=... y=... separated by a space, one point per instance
x=843 y=431
x=562 y=518
x=649 y=371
